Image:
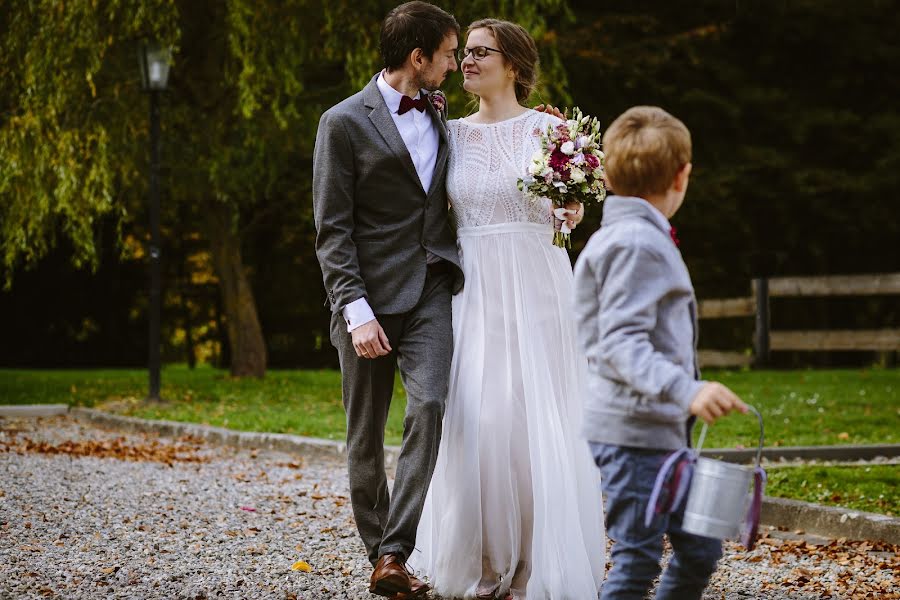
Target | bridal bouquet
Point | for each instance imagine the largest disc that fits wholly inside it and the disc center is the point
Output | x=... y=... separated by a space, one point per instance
x=567 y=168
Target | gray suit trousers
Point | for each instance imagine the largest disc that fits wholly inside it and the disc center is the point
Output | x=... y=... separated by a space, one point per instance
x=422 y=342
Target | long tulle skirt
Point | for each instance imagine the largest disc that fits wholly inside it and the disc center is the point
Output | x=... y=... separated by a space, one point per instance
x=515 y=501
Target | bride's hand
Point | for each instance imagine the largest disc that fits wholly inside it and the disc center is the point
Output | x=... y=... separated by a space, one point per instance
x=574 y=218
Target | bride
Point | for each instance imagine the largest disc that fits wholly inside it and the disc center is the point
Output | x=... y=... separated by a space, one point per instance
x=514 y=508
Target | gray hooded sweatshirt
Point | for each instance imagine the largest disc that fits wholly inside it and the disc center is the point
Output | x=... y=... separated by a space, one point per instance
x=637 y=324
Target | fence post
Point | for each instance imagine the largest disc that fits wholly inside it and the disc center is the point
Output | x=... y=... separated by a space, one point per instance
x=761 y=334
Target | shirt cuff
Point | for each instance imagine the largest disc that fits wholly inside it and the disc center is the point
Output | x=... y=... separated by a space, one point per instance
x=357 y=313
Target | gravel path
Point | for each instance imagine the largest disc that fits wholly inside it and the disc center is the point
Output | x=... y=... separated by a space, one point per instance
x=90 y=513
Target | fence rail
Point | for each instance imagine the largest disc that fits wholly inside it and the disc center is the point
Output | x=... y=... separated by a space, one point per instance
x=835 y=285
x=884 y=340
x=765 y=340
x=728 y=307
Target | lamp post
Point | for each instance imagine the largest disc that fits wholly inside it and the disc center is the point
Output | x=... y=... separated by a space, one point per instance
x=154 y=61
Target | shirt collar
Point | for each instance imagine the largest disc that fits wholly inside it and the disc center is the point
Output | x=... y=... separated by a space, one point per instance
x=391 y=96
x=621 y=207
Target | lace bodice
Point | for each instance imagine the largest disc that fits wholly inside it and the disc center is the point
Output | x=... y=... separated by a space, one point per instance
x=486 y=161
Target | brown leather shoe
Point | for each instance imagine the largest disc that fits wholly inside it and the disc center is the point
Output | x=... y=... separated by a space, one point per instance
x=417 y=587
x=413 y=595
x=390 y=577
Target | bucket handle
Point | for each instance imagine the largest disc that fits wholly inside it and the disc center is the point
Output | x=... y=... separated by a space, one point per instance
x=761 y=435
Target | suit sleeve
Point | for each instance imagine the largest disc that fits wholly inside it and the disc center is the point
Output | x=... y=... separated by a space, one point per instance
x=333 y=208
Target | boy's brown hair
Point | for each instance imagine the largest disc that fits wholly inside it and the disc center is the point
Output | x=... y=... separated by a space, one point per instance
x=645 y=147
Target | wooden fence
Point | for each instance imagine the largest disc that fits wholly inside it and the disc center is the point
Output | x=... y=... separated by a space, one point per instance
x=765 y=340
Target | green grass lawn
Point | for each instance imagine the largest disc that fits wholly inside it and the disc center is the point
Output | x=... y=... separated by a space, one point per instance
x=301 y=402
x=812 y=407
x=821 y=407
x=870 y=488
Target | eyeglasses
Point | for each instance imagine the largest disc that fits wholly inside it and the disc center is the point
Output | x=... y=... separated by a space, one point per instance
x=478 y=52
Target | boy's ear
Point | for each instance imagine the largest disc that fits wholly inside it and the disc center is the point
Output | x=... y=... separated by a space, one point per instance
x=681 y=178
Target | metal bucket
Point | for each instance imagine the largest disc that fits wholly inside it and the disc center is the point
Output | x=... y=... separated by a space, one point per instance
x=720 y=494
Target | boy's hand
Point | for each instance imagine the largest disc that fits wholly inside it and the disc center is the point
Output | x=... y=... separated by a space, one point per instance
x=714 y=400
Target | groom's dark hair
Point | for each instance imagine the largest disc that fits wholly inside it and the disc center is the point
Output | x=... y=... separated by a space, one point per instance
x=414 y=25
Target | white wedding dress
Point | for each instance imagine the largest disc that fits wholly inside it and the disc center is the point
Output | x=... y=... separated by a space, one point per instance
x=515 y=498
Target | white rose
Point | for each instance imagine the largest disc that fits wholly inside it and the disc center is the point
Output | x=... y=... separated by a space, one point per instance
x=577 y=175
x=568 y=148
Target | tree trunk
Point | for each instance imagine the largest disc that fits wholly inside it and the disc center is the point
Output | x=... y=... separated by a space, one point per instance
x=248 y=349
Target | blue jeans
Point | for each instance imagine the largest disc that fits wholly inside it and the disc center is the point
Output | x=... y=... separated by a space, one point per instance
x=627 y=479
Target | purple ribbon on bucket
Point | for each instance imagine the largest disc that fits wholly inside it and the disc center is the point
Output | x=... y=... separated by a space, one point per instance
x=670 y=489
x=672 y=484
x=751 y=525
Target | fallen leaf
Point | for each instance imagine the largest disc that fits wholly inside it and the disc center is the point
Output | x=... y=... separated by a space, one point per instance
x=301 y=565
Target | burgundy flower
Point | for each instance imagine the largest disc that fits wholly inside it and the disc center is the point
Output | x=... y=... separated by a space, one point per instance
x=592 y=160
x=559 y=162
x=438 y=100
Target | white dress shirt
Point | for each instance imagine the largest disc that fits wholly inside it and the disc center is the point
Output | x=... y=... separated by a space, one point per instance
x=422 y=140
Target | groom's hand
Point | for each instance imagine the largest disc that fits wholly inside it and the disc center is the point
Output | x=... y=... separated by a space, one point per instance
x=370 y=340
x=550 y=110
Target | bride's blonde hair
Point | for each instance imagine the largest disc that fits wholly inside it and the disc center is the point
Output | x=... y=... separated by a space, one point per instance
x=518 y=49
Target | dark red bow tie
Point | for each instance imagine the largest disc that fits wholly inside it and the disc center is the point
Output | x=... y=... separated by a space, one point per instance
x=407 y=104
x=673 y=233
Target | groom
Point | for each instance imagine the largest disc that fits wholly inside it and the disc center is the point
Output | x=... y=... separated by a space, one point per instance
x=389 y=262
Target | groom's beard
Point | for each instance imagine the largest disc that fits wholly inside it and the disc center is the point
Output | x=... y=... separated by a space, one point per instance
x=432 y=85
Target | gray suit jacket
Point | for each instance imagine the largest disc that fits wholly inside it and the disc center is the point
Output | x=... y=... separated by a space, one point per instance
x=374 y=221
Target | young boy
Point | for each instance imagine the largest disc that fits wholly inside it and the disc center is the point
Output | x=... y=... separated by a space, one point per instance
x=638 y=316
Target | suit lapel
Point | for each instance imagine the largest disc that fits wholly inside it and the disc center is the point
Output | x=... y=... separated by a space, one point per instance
x=440 y=162
x=438 y=118
x=381 y=118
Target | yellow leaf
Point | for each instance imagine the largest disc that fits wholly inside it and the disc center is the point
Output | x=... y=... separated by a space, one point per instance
x=301 y=565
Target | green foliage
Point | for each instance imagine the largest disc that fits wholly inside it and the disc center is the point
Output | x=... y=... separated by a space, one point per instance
x=248 y=83
x=60 y=161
